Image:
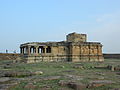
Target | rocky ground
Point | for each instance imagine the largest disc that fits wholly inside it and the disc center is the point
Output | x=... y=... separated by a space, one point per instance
x=60 y=75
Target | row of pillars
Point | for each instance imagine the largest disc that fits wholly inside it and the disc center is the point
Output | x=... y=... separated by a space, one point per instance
x=35 y=50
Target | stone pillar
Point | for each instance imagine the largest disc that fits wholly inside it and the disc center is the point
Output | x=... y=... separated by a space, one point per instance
x=99 y=50
x=45 y=47
x=100 y=53
x=36 y=50
x=25 y=50
x=28 y=50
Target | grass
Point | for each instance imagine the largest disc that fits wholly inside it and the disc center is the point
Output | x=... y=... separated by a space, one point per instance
x=62 y=69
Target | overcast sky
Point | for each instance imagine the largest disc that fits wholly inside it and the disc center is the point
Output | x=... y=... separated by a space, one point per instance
x=24 y=21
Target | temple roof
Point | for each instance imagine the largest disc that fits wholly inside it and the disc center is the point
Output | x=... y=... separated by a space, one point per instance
x=62 y=43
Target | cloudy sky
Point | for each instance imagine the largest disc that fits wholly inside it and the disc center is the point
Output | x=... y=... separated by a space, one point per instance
x=24 y=21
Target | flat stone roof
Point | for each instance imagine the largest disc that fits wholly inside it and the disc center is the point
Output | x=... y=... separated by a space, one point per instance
x=62 y=43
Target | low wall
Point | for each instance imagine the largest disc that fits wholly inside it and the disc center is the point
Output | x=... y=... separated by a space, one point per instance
x=111 y=56
x=15 y=56
x=9 y=56
x=72 y=58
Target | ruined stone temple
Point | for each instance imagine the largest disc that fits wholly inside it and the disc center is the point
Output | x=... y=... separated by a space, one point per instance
x=74 y=49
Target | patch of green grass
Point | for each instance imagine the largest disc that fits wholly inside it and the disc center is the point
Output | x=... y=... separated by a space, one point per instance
x=20 y=86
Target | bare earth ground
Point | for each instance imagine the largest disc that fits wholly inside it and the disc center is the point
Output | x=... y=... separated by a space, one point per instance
x=60 y=75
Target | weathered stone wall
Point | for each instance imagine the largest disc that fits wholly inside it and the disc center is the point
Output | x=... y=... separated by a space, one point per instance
x=74 y=37
x=9 y=56
x=46 y=58
x=111 y=56
x=86 y=52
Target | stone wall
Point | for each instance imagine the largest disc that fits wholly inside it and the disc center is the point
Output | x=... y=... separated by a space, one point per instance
x=87 y=52
x=9 y=56
x=74 y=37
x=111 y=56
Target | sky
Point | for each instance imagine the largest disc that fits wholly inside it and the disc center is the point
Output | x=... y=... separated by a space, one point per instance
x=23 y=21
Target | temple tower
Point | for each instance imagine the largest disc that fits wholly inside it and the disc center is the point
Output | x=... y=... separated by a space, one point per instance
x=74 y=37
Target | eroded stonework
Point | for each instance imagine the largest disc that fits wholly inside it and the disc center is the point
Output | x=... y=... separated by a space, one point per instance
x=74 y=49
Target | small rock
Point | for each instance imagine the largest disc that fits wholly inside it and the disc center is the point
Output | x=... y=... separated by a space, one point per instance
x=7 y=67
x=62 y=66
x=4 y=86
x=30 y=86
x=98 y=83
x=100 y=73
x=69 y=71
x=94 y=85
x=63 y=82
x=117 y=68
x=73 y=85
x=73 y=77
x=118 y=73
x=79 y=67
x=112 y=68
x=101 y=78
x=100 y=67
x=38 y=72
x=51 y=78
x=7 y=86
x=17 y=74
x=92 y=67
x=4 y=79
x=46 y=88
x=103 y=81
x=76 y=86
x=2 y=73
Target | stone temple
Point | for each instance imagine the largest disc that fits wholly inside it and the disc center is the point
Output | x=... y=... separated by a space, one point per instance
x=74 y=49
